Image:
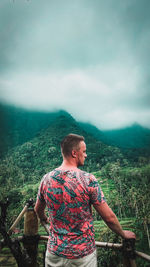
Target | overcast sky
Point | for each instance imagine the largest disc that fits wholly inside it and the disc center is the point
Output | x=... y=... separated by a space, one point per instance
x=88 y=57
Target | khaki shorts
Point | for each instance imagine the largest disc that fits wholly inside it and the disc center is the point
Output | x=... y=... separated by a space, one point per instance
x=52 y=260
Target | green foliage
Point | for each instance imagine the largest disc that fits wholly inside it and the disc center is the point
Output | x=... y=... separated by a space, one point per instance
x=129 y=197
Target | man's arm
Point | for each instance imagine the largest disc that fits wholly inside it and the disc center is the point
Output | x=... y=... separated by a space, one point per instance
x=40 y=210
x=111 y=220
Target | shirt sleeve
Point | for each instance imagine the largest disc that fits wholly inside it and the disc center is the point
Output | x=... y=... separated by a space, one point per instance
x=95 y=191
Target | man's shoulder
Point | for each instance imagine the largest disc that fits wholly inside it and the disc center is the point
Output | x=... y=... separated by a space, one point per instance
x=88 y=174
x=74 y=173
x=48 y=175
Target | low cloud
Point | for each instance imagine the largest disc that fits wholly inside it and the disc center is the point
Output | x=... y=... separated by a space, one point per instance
x=90 y=58
x=87 y=94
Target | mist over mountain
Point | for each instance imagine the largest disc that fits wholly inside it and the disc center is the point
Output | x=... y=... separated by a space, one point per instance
x=19 y=126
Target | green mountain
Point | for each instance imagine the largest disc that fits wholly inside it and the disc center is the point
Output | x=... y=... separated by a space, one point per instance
x=18 y=125
x=97 y=133
x=27 y=162
x=134 y=136
x=133 y=141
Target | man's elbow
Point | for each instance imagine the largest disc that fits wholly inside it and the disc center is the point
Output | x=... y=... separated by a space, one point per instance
x=111 y=219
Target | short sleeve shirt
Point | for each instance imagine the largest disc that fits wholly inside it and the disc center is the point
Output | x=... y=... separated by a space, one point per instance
x=68 y=196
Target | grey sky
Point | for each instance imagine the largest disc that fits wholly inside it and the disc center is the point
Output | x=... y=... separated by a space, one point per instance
x=90 y=58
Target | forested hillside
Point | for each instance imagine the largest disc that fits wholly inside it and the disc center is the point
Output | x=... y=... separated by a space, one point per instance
x=18 y=125
x=125 y=182
x=134 y=136
x=133 y=141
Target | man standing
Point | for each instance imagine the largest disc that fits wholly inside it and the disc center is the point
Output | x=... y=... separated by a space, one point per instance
x=68 y=194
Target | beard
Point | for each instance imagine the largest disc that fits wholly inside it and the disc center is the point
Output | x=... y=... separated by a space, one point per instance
x=80 y=163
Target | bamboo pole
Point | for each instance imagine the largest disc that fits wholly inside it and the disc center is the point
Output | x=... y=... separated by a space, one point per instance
x=18 y=219
x=142 y=255
x=98 y=244
x=108 y=245
x=103 y=245
x=44 y=237
x=31 y=238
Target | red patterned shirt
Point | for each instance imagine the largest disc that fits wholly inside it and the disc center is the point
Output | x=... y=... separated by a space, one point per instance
x=68 y=195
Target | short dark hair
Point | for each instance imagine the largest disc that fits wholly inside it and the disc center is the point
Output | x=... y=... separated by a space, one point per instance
x=70 y=142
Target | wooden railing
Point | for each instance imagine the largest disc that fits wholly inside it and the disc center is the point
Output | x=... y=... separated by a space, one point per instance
x=31 y=238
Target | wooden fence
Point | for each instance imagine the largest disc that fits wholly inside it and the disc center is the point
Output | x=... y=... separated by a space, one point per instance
x=31 y=238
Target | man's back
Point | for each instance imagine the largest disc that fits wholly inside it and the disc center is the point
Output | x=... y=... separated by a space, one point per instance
x=68 y=195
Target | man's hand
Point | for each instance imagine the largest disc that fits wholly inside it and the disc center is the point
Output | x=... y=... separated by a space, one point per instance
x=128 y=234
x=112 y=222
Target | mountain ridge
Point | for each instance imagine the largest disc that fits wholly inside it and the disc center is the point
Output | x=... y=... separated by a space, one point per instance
x=19 y=126
x=134 y=136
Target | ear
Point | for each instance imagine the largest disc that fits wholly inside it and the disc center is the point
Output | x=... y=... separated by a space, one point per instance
x=74 y=153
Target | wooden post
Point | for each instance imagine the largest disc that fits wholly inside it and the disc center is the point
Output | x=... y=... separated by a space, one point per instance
x=31 y=237
x=17 y=220
x=30 y=223
x=14 y=245
x=129 y=253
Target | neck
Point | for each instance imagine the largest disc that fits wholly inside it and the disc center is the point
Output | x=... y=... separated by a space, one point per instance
x=68 y=163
